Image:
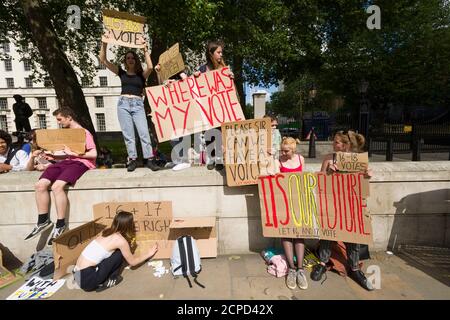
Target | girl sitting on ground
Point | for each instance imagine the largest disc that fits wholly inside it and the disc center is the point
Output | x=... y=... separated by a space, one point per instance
x=98 y=266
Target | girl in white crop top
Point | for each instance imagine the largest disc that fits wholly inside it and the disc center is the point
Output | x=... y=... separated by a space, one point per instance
x=99 y=264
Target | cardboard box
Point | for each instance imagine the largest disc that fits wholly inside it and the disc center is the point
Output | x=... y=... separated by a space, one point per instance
x=68 y=247
x=6 y=276
x=55 y=139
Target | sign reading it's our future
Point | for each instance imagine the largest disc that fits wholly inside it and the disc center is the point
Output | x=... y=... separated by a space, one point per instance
x=316 y=205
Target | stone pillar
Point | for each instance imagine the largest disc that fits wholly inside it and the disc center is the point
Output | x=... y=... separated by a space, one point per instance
x=259 y=104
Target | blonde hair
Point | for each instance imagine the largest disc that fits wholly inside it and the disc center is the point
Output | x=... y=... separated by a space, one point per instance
x=290 y=142
x=355 y=140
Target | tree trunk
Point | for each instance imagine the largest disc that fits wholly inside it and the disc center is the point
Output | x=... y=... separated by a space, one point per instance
x=67 y=87
x=239 y=79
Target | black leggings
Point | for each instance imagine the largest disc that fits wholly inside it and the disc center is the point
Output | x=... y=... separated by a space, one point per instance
x=92 y=277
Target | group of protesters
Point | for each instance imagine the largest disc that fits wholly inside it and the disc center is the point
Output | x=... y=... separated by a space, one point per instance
x=99 y=263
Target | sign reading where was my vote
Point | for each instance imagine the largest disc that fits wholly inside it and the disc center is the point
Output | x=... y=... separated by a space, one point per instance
x=123 y=29
x=316 y=205
x=195 y=104
x=246 y=144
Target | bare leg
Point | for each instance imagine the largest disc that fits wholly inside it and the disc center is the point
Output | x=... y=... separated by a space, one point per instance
x=299 y=245
x=60 y=198
x=42 y=195
x=288 y=248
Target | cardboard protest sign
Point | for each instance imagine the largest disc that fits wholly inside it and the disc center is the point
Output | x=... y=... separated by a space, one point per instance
x=37 y=288
x=195 y=104
x=171 y=62
x=151 y=219
x=6 y=276
x=68 y=247
x=246 y=145
x=54 y=139
x=123 y=29
x=154 y=224
x=351 y=162
x=316 y=205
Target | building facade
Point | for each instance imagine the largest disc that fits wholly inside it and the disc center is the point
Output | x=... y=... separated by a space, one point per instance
x=101 y=96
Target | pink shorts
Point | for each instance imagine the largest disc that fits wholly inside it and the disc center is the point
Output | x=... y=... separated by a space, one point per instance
x=67 y=170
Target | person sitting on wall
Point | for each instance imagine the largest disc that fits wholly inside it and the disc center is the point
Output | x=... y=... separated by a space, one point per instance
x=11 y=159
x=38 y=160
x=60 y=174
x=98 y=266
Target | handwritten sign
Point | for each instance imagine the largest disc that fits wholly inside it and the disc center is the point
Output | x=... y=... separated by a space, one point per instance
x=316 y=205
x=68 y=247
x=123 y=29
x=151 y=219
x=171 y=62
x=351 y=162
x=194 y=104
x=55 y=139
x=37 y=288
x=246 y=146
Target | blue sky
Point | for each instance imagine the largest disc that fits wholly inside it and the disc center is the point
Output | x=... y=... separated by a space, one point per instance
x=249 y=90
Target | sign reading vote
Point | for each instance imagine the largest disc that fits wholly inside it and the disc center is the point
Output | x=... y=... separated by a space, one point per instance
x=316 y=205
x=123 y=29
x=195 y=104
x=351 y=162
x=171 y=62
x=246 y=145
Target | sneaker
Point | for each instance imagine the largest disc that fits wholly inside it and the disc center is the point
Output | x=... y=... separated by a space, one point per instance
x=210 y=166
x=291 y=281
x=361 y=279
x=151 y=164
x=219 y=167
x=55 y=234
x=131 y=166
x=301 y=279
x=38 y=229
x=109 y=283
x=318 y=271
x=181 y=166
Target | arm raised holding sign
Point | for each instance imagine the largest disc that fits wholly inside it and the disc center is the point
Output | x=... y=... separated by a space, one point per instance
x=98 y=266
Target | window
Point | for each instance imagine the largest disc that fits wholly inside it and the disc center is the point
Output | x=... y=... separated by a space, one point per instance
x=3 y=123
x=10 y=82
x=3 y=104
x=29 y=83
x=6 y=46
x=100 y=65
x=103 y=81
x=42 y=103
x=27 y=65
x=101 y=124
x=99 y=102
x=48 y=83
x=8 y=65
x=42 y=121
x=85 y=82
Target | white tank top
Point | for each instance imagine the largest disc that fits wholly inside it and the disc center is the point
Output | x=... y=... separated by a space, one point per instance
x=95 y=252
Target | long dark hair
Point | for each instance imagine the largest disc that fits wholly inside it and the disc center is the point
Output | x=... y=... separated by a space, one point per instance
x=137 y=62
x=124 y=224
x=211 y=47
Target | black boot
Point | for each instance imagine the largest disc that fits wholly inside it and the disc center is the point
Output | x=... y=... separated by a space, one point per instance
x=318 y=271
x=151 y=164
x=131 y=166
x=361 y=279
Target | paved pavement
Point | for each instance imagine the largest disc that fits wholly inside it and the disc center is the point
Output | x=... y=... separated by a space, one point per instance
x=244 y=277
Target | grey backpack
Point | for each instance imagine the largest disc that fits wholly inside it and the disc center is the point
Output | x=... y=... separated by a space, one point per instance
x=185 y=259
